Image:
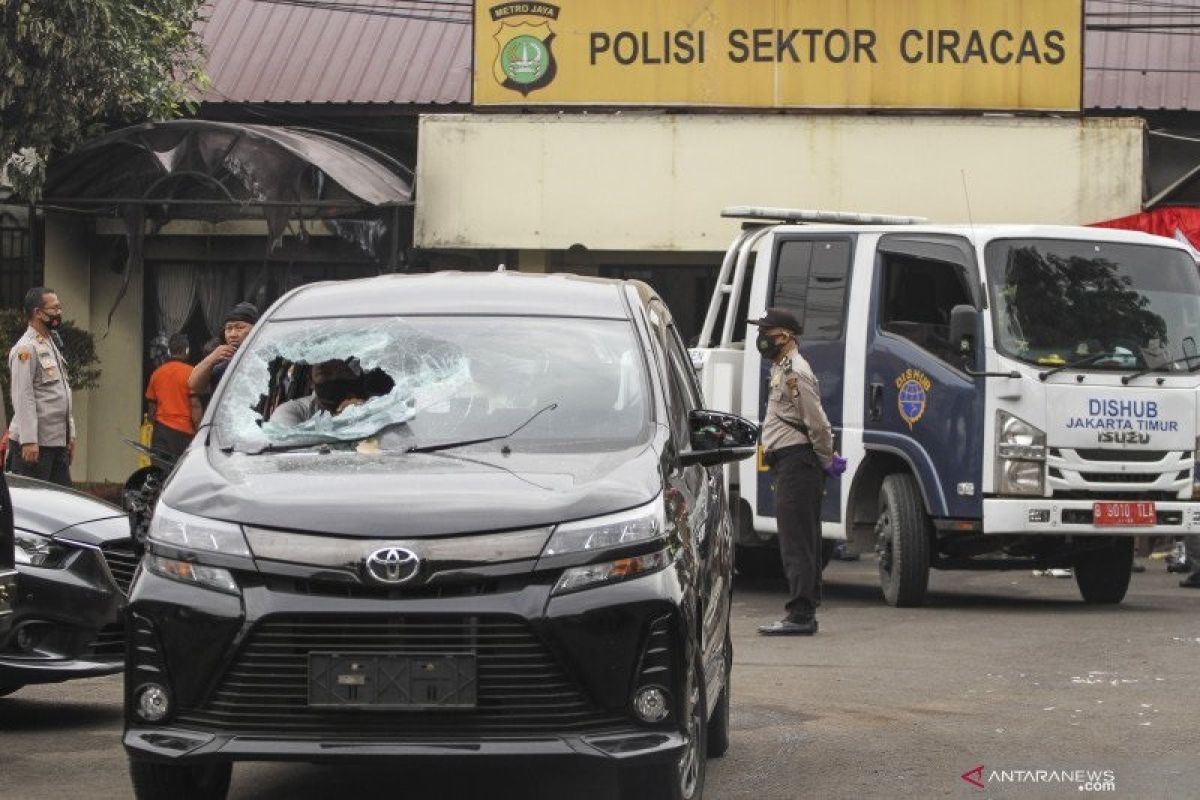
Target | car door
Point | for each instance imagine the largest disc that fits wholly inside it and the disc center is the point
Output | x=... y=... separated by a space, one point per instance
x=810 y=277
x=920 y=402
x=700 y=491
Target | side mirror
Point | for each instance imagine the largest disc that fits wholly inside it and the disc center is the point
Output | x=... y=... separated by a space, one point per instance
x=719 y=438
x=964 y=323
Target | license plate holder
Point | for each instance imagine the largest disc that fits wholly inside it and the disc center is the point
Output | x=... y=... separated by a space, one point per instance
x=1122 y=514
x=392 y=681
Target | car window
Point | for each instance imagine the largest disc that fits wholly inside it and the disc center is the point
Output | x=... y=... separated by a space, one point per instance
x=392 y=384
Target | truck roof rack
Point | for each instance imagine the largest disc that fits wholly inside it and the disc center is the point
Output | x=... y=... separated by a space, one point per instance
x=769 y=214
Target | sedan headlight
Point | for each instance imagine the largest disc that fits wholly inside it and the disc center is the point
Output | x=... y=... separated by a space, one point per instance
x=643 y=524
x=1020 y=456
x=38 y=551
x=177 y=529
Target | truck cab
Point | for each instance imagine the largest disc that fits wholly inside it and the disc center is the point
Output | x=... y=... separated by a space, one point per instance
x=1008 y=396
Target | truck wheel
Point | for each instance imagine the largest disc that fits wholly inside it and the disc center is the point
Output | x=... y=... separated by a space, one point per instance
x=903 y=534
x=827 y=548
x=155 y=781
x=758 y=562
x=1103 y=575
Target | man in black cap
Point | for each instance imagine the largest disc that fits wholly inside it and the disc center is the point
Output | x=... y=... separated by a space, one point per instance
x=798 y=447
x=208 y=373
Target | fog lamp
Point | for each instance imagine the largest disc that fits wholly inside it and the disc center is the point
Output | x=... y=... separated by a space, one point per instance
x=153 y=703
x=650 y=704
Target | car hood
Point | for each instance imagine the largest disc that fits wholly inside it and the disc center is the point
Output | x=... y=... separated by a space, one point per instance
x=412 y=495
x=47 y=508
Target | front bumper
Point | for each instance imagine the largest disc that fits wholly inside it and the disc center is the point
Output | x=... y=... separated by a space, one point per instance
x=1013 y=516
x=556 y=674
x=66 y=623
x=171 y=744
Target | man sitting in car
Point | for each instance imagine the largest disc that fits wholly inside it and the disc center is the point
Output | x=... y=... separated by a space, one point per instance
x=336 y=386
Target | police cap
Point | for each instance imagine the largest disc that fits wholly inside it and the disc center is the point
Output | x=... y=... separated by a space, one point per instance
x=779 y=318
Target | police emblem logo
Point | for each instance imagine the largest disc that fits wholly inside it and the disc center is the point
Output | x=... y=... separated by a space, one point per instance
x=912 y=395
x=524 y=58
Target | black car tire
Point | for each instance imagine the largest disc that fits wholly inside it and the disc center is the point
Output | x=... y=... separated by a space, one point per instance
x=827 y=548
x=156 y=781
x=1103 y=575
x=717 y=740
x=667 y=781
x=9 y=689
x=904 y=533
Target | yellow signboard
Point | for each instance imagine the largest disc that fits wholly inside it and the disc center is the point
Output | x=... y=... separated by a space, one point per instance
x=918 y=54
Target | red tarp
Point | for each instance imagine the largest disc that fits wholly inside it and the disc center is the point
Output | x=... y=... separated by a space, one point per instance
x=1181 y=223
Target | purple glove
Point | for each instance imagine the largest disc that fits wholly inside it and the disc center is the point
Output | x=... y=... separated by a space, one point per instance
x=836 y=466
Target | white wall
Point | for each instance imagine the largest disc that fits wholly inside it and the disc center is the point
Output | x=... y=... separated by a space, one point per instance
x=658 y=182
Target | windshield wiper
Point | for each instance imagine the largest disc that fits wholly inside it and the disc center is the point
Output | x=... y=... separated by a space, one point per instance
x=433 y=448
x=285 y=448
x=1083 y=362
x=1194 y=357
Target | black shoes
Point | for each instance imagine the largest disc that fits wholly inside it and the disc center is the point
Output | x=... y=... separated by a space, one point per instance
x=790 y=627
x=1191 y=581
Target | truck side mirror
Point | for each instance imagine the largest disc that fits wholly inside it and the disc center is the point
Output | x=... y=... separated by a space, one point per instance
x=964 y=322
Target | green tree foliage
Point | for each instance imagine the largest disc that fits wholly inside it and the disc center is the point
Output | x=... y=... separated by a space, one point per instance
x=79 y=351
x=71 y=68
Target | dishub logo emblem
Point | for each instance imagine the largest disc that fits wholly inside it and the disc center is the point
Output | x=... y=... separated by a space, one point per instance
x=524 y=60
x=912 y=395
x=393 y=565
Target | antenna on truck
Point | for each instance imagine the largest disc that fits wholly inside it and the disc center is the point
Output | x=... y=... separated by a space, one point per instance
x=771 y=214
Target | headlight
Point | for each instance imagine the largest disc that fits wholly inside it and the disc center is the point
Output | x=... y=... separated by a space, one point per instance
x=186 y=572
x=622 y=569
x=643 y=524
x=1020 y=456
x=38 y=551
x=175 y=528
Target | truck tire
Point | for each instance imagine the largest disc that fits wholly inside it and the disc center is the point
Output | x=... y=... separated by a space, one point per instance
x=827 y=548
x=904 y=533
x=1103 y=575
x=758 y=561
x=156 y=781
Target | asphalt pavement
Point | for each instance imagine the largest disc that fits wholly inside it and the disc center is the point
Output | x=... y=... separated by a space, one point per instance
x=1006 y=677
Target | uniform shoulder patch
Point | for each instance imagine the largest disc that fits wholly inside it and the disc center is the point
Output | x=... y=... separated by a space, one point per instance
x=22 y=355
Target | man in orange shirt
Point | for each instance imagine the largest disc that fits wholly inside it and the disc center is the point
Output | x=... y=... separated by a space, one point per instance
x=171 y=401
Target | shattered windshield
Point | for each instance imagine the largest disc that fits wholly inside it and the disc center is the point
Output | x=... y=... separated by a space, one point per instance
x=392 y=384
x=1124 y=306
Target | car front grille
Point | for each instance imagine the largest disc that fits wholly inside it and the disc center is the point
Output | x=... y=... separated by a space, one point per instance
x=522 y=689
x=109 y=642
x=122 y=562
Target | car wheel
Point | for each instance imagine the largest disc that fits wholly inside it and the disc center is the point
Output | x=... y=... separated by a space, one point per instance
x=717 y=743
x=9 y=688
x=682 y=779
x=1103 y=574
x=903 y=533
x=155 y=781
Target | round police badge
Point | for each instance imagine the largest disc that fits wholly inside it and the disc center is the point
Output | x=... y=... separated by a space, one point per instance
x=525 y=59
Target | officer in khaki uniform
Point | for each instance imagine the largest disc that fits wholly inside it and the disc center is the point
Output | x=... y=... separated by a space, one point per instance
x=41 y=439
x=798 y=447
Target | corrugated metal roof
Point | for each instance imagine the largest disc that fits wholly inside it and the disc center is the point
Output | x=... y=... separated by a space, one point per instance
x=338 y=51
x=1142 y=54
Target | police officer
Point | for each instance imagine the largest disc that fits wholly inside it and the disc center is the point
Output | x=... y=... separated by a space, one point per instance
x=41 y=440
x=798 y=447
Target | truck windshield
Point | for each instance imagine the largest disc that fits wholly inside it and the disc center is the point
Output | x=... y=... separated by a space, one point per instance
x=1132 y=306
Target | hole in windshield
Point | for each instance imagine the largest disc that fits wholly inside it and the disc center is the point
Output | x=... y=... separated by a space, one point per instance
x=374 y=385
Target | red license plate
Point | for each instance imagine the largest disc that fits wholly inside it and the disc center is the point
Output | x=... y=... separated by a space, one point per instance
x=1123 y=514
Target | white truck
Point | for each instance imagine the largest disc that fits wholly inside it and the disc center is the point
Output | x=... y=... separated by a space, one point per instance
x=1008 y=397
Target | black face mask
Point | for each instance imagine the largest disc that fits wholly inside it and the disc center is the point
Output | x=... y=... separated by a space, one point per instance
x=330 y=394
x=768 y=346
x=52 y=321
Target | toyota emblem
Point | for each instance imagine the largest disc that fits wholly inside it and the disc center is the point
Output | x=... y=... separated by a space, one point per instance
x=393 y=565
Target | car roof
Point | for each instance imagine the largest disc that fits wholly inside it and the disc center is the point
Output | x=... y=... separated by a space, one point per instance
x=459 y=293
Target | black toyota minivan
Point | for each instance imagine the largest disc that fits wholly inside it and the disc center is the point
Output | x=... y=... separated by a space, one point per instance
x=445 y=517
